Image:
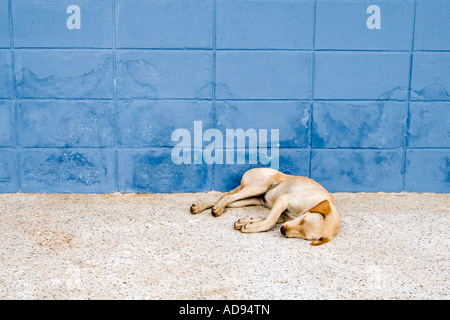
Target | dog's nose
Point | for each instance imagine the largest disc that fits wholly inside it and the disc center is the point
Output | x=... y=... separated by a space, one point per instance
x=283 y=230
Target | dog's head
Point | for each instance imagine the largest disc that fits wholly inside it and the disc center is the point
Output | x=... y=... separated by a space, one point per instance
x=320 y=224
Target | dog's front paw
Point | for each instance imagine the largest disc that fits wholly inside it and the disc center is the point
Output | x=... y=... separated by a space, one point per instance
x=241 y=222
x=246 y=228
x=238 y=224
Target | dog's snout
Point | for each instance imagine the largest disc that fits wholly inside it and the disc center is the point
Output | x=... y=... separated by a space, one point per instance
x=283 y=231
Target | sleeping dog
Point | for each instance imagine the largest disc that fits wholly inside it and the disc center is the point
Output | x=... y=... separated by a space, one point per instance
x=306 y=208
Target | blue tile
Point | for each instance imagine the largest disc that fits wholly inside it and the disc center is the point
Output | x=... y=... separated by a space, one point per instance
x=4 y=25
x=6 y=80
x=431 y=76
x=151 y=123
x=64 y=73
x=342 y=25
x=290 y=118
x=359 y=124
x=350 y=170
x=263 y=75
x=164 y=24
x=44 y=23
x=164 y=74
x=432 y=30
x=66 y=123
x=429 y=124
x=9 y=181
x=152 y=170
x=80 y=117
x=428 y=171
x=269 y=24
x=68 y=170
x=227 y=176
x=361 y=75
x=7 y=124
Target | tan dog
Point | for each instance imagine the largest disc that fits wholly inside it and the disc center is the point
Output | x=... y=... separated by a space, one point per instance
x=306 y=206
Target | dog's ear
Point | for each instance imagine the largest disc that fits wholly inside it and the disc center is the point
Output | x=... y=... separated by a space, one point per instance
x=322 y=208
x=322 y=240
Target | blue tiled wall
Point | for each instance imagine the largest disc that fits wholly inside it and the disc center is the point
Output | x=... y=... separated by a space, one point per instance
x=93 y=109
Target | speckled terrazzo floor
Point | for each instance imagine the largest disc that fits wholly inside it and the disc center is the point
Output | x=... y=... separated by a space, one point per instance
x=391 y=246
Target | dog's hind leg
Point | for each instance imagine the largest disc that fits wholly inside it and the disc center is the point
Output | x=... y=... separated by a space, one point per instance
x=267 y=223
x=246 y=191
x=254 y=182
x=201 y=206
x=237 y=204
x=256 y=201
